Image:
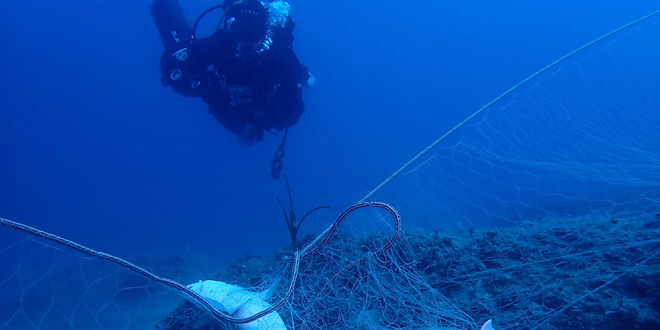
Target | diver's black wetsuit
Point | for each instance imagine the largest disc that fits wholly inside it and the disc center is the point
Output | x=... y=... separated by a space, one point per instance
x=249 y=93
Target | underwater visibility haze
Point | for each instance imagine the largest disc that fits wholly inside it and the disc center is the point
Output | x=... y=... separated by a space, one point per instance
x=557 y=181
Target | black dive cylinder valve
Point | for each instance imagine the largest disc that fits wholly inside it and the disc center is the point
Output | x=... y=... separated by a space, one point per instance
x=176 y=64
x=175 y=32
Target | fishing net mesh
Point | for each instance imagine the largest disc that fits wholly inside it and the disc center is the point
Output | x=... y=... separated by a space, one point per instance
x=540 y=212
x=47 y=287
x=357 y=288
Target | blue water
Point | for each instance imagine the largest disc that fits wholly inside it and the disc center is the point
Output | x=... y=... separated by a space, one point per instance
x=95 y=149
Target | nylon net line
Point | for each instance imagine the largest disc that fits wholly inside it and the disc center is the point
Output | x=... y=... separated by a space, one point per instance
x=45 y=286
x=567 y=166
x=540 y=211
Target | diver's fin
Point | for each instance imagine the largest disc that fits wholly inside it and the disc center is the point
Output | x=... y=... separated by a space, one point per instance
x=266 y=295
x=310 y=79
x=488 y=325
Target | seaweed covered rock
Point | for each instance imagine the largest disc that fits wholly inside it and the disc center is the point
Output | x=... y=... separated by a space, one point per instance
x=551 y=274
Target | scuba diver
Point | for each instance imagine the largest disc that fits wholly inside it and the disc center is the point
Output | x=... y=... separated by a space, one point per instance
x=246 y=71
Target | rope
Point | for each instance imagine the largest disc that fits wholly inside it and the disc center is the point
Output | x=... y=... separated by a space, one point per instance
x=332 y=229
x=194 y=296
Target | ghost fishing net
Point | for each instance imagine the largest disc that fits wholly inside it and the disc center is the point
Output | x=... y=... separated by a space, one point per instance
x=540 y=211
x=567 y=165
x=47 y=286
x=358 y=274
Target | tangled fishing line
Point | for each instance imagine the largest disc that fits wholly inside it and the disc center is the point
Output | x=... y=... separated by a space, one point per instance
x=374 y=281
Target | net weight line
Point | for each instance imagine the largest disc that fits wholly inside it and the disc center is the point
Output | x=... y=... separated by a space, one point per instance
x=196 y=297
x=192 y=295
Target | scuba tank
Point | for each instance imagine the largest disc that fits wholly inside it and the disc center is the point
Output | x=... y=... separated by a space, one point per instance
x=173 y=27
x=176 y=65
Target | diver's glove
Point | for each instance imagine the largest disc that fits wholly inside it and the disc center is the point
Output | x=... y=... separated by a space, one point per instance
x=488 y=325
